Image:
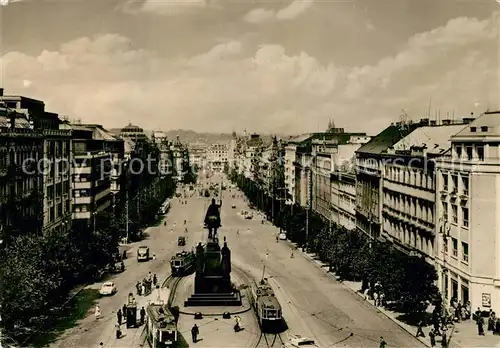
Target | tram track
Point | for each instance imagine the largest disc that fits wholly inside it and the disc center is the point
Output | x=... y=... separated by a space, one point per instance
x=265 y=339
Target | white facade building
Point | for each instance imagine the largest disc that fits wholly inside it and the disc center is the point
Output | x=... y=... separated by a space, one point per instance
x=217 y=157
x=468 y=192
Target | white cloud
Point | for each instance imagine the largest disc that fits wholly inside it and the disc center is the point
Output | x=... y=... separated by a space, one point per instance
x=164 y=7
x=106 y=80
x=292 y=11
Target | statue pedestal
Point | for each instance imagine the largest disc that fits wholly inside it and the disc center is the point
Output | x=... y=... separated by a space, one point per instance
x=212 y=285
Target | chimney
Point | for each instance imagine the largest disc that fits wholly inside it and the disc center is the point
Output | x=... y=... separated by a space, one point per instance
x=446 y=122
x=1 y=92
x=467 y=120
x=424 y=121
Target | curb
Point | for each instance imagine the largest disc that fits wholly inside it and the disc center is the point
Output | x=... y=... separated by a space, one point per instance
x=378 y=310
x=240 y=311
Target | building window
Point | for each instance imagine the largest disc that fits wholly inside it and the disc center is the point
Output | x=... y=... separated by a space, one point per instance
x=484 y=128
x=465 y=217
x=445 y=244
x=454 y=181
x=445 y=181
x=458 y=151
x=465 y=252
x=465 y=185
x=480 y=152
x=473 y=129
x=454 y=242
x=468 y=150
x=445 y=211
x=454 y=213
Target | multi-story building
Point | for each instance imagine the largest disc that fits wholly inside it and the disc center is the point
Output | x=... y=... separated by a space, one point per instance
x=198 y=155
x=92 y=168
x=133 y=132
x=21 y=195
x=217 y=157
x=468 y=225
x=166 y=156
x=55 y=165
x=232 y=151
x=180 y=157
x=343 y=198
x=369 y=170
x=408 y=187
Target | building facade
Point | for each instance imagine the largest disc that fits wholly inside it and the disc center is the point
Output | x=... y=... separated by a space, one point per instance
x=468 y=227
x=21 y=183
x=343 y=198
x=55 y=163
x=92 y=168
x=217 y=157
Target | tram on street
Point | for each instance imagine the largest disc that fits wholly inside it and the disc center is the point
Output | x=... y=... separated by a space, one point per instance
x=161 y=327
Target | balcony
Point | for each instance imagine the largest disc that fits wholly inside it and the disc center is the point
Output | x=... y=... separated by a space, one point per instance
x=82 y=200
x=79 y=215
x=82 y=170
x=82 y=185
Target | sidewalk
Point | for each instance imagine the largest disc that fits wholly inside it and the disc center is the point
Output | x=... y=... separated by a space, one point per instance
x=463 y=334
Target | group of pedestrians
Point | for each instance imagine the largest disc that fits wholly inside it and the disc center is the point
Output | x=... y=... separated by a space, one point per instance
x=145 y=287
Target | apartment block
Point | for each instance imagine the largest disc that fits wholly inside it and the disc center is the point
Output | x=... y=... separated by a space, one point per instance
x=468 y=206
x=343 y=198
x=409 y=186
x=217 y=157
x=21 y=197
x=54 y=165
x=92 y=168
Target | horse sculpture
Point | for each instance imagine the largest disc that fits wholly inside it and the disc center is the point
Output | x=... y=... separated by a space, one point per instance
x=212 y=219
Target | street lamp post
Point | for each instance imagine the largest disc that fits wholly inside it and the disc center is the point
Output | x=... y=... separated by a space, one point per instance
x=94 y=214
x=444 y=230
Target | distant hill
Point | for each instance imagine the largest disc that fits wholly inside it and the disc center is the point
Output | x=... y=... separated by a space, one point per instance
x=190 y=136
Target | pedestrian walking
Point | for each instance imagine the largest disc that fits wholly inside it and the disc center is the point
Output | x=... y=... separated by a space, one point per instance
x=432 y=337
x=142 y=314
x=154 y=256
x=124 y=311
x=420 y=332
x=143 y=289
x=194 y=333
x=118 y=331
x=101 y=344
x=444 y=339
x=155 y=279
x=383 y=343
x=480 y=326
x=97 y=312
x=237 y=325
x=119 y=316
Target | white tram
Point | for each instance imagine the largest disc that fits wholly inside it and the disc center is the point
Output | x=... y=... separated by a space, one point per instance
x=266 y=305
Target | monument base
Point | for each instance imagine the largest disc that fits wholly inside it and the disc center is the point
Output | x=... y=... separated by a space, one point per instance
x=214 y=299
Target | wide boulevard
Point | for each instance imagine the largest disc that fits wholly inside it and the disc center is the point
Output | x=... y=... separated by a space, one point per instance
x=314 y=304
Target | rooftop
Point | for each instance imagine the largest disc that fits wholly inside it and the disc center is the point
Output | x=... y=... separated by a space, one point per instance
x=485 y=126
x=436 y=139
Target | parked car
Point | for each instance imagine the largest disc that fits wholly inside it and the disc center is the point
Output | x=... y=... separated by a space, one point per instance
x=118 y=267
x=282 y=236
x=108 y=289
x=233 y=206
x=249 y=216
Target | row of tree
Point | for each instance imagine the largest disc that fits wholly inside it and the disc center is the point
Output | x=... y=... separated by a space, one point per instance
x=407 y=282
x=39 y=271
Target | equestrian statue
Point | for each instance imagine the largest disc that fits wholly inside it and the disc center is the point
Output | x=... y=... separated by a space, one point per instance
x=212 y=218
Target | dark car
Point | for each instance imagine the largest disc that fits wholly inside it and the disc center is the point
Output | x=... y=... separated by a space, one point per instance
x=118 y=267
x=233 y=206
x=207 y=194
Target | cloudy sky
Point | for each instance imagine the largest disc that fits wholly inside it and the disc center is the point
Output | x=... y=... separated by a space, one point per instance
x=267 y=66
